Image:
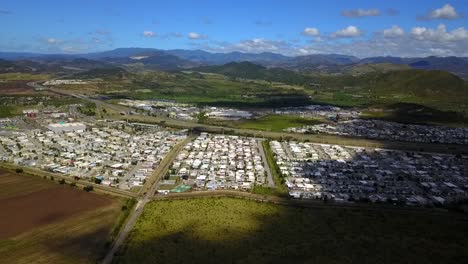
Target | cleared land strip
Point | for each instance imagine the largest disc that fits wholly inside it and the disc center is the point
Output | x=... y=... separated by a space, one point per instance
x=79 y=183
x=148 y=192
x=324 y=139
x=270 y=181
x=291 y=202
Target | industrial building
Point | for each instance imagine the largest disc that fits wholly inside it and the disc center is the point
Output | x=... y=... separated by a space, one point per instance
x=67 y=127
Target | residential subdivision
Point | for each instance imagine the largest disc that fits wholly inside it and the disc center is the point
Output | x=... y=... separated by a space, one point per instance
x=212 y=162
x=341 y=173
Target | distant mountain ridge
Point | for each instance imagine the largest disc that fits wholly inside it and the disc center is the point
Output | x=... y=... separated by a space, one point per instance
x=178 y=59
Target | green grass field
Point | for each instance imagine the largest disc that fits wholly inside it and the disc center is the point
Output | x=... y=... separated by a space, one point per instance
x=228 y=230
x=199 y=89
x=24 y=77
x=275 y=123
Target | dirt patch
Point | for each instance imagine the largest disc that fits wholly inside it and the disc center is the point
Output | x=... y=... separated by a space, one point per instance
x=22 y=213
x=15 y=87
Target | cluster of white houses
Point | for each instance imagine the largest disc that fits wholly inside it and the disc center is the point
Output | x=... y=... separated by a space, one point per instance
x=113 y=154
x=322 y=111
x=378 y=129
x=221 y=162
x=186 y=111
x=321 y=171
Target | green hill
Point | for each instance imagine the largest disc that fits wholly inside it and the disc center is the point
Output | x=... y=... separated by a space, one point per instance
x=110 y=73
x=436 y=90
x=419 y=83
x=248 y=70
x=377 y=67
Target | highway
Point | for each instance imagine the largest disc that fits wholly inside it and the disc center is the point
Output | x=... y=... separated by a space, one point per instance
x=321 y=138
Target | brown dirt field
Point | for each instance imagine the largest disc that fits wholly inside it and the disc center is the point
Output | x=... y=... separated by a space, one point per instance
x=44 y=222
x=15 y=87
x=80 y=239
x=24 y=212
x=12 y=184
x=11 y=91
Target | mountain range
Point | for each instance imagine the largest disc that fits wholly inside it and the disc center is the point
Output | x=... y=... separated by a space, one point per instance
x=179 y=59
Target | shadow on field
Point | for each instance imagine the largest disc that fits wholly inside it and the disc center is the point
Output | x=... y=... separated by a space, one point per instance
x=234 y=230
x=230 y=230
x=411 y=113
x=82 y=248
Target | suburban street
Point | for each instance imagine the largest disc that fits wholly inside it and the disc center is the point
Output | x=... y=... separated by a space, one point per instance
x=270 y=181
x=147 y=195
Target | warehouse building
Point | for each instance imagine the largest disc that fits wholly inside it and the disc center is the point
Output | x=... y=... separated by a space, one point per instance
x=67 y=127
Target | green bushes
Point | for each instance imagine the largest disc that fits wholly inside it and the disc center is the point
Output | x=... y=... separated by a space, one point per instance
x=88 y=188
x=126 y=209
x=275 y=171
x=213 y=230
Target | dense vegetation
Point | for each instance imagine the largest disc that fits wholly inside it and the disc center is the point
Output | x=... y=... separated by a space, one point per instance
x=109 y=73
x=248 y=70
x=249 y=85
x=88 y=109
x=214 y=230
x=6 y=111
x=205 y=89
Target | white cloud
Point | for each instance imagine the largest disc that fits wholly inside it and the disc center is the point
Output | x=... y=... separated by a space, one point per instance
x=194 y=35
x=394 y=31
x=310 y=31
x=256 y=45
x=149 y=34
x=348 y=32
x=445 y=12
x=440 y=34
x=52 y=41
x=394 y=41
x=360 y=12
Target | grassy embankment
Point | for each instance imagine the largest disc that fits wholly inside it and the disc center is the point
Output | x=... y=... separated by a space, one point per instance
x=279 y=189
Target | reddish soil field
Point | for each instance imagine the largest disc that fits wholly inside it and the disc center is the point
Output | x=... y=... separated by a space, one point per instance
x=18 y=87
x=22 y=213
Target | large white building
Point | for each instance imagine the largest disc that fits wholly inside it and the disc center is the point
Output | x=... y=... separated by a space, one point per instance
x=67 y=127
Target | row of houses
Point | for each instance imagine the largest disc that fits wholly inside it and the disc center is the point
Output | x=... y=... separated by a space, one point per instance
x=111 y=155
x=221 y=162
x=342 y=173
x=378 y=129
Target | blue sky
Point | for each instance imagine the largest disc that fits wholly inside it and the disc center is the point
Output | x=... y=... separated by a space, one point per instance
x=293 y=27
